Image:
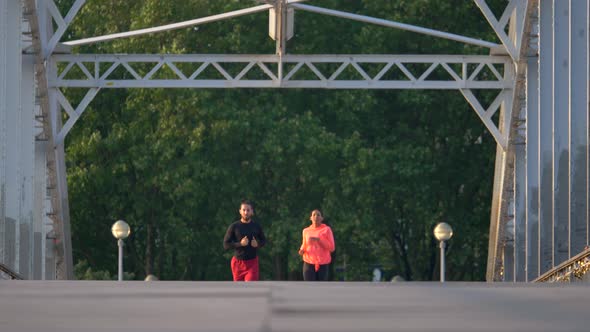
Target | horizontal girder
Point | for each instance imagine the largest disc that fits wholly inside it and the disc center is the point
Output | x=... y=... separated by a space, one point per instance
x=290 y=71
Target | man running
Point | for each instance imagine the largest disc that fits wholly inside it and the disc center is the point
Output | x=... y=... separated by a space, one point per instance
x=245 y=236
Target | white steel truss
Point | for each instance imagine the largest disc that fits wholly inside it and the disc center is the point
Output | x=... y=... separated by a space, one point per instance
x=515 y=8
x=411 y=71
x=451 y=72
x=458 y=72
x=282 y=70
x=61 y=22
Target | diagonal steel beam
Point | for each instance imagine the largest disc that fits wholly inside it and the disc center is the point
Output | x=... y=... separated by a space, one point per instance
x=74 y=114
x=511 y=46
x=486 y=114
x=62 y=24
x=173 y=26
x=397 y=25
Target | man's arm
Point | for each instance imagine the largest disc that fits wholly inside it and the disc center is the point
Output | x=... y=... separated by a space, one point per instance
x=229 y=240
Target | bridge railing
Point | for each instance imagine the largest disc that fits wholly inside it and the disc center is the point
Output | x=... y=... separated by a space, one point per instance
x=575 y=269
x=7 y=273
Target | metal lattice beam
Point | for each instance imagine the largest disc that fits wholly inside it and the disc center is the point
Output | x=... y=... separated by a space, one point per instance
x=449 y=72
x=301 y=71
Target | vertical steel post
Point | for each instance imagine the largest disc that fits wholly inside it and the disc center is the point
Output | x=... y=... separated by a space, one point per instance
x=120 y=244
x=442 y=261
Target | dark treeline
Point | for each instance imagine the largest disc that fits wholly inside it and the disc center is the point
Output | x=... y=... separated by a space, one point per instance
x=384 y=166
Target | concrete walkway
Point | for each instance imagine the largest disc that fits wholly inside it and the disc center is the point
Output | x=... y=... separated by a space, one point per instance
x=87 y=306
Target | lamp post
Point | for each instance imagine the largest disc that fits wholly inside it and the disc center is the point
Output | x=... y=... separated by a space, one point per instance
x=150 y=277
x=120 y=231
x=442 y=232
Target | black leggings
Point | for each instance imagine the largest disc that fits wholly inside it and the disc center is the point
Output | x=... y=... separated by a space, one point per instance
x=310 y=274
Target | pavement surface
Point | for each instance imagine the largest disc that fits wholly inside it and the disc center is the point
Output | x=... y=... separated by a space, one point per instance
x=87 y=306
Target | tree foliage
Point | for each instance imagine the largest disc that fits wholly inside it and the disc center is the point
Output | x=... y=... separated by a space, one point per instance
x=385 y=166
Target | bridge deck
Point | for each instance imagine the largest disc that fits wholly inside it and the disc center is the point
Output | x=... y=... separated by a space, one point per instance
x=290 y=306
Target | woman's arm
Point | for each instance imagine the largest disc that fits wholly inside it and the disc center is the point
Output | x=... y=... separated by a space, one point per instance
x=326 y=241
x=303 y=244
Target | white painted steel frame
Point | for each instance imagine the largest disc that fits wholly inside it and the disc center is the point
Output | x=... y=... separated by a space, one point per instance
x=554 y=228
x=292 y=4
x=561 y=70
x=168 y=27
x=474 y=72
x=532 y=154
x=463 y=82
x=537 y=201
x=512 y=45
x=61 y=22
x=4 y=77
x=55 y=242
x=11 y=182
x=17 y=143
x=545 y=141
x=519 y=147
x=173 y=26
x=27 y=166
x=579 y=122
x=466 y=78
x=506 y=199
